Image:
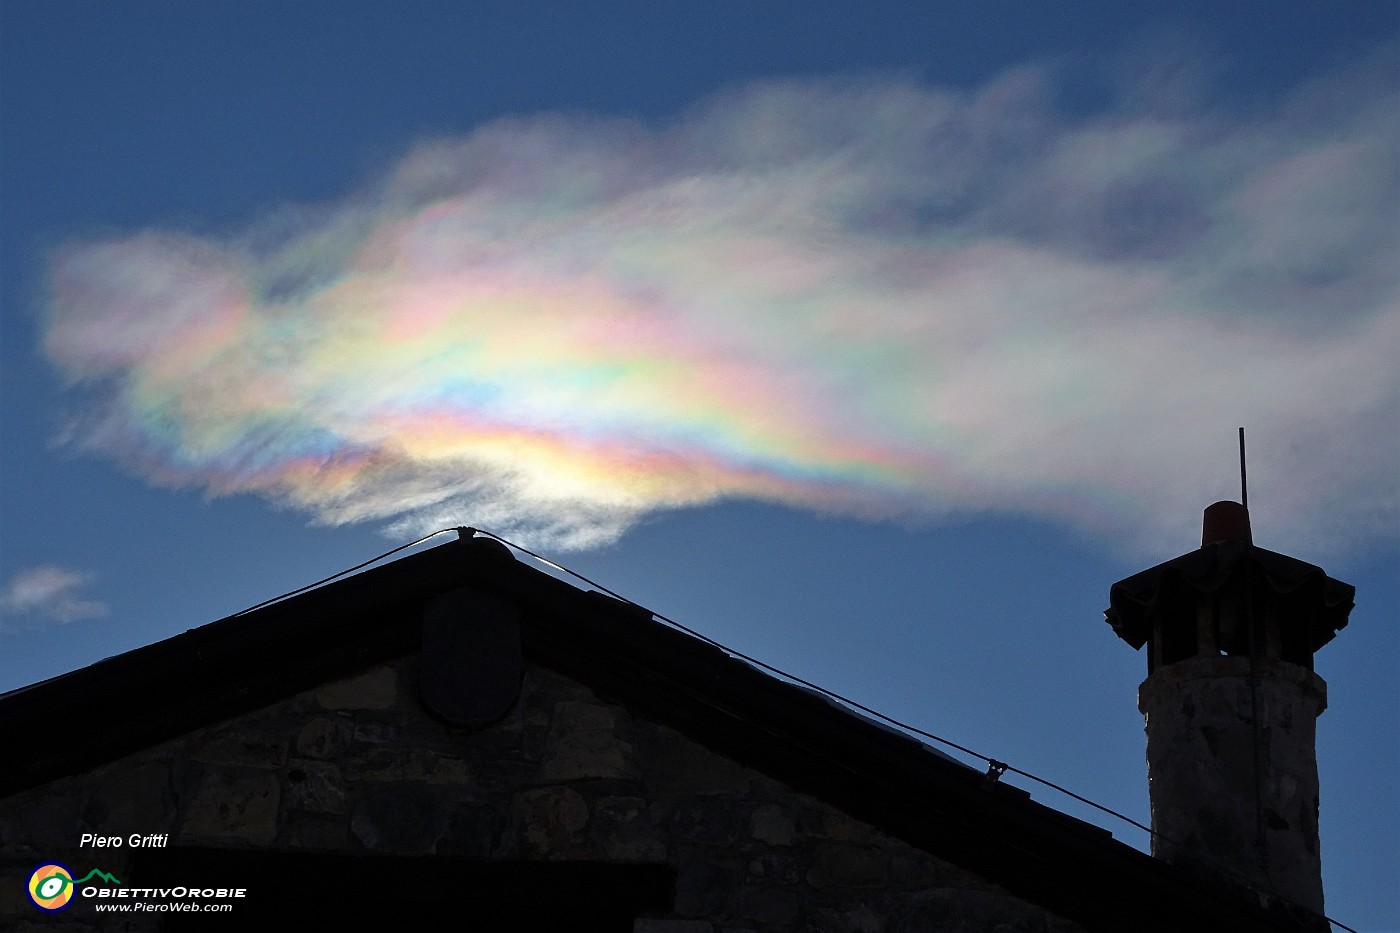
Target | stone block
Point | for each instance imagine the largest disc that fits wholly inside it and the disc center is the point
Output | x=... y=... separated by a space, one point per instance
x=445 y=769
x=914 y=870
x=316 y=786
x=833 y=920
x=768 y=906
x=588 y=754
x=623 y=832
x=583 y=742
x=324 y=737
x=848 y=866
x=403 y=818
x=772 y=824
x=504 y=775
x=838 y=827
x=578 y=716
x=776 y=868
x=707 y=823
x=376 y=733
x=474 y=831
x=407 y=764
x=238 y=746
x=549 y=820
x=229 y=806
x=704 y=887
x=316 y=831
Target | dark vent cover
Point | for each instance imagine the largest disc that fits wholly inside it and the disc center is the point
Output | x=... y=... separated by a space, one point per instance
x=471 y=664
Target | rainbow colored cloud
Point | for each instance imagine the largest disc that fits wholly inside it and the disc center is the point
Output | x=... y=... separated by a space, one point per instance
x=869 y=297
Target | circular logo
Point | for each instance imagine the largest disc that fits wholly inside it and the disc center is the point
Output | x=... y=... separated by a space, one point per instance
x=51 y=886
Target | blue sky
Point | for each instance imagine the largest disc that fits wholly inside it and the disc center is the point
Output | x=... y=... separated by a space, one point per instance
x=872 y=340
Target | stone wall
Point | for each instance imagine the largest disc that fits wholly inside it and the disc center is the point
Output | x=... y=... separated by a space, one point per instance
x=1208 y=762
x=359 y=767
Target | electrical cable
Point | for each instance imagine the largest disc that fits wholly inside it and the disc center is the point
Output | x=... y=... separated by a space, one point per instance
x=995 y=767
x=815 y=687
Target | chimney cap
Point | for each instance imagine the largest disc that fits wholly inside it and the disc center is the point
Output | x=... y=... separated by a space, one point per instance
x=1301 y=590
x=1225 y=521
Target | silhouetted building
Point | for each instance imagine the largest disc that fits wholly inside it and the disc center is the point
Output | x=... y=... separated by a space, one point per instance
x=455 y=737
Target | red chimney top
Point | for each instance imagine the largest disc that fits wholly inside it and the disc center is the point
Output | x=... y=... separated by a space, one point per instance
x=1225 y=521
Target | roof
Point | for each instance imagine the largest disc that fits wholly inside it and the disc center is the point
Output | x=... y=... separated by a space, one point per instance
x=875 y=774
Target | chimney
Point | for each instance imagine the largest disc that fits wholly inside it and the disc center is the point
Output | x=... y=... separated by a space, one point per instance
x=1231 y=704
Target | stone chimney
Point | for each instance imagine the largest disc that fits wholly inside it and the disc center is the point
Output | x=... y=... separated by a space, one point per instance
x=1231 y=704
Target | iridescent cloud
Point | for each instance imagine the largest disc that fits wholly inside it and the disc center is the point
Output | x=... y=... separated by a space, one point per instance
x=872 y=297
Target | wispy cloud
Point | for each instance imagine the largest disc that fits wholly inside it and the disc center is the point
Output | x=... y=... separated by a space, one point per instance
x=872 y=296
x=48 y=594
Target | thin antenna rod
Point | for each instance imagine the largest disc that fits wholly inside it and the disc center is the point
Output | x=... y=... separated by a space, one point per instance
x=1244 y=482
